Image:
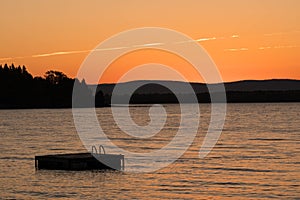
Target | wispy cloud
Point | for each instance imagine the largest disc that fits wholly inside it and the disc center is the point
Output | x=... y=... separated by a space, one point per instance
x=263 y=48
x=235 y=36
x=281 y=33
x=108 y=49
x=59 y=53
x=103 y=49
x=237 y=49
x=7 y=58
x=278 y=47
x=288 y=46
x=205 y=39
x=199 y=40
x=149 y=45
x=14 y=58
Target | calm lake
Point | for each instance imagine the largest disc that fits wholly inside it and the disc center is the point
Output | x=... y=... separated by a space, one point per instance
x=256 y=157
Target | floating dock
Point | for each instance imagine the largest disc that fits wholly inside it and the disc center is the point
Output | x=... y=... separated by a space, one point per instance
x=81 y=161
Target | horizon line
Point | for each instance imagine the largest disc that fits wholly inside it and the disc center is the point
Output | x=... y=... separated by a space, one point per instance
x=192 y=82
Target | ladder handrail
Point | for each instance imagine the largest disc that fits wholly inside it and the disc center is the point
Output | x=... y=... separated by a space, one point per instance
x=101 y=147
x=94 y=148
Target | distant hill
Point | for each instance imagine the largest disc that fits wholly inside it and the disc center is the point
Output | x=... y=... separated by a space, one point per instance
x=263 y=85
x=248 y=91
x=238 y=86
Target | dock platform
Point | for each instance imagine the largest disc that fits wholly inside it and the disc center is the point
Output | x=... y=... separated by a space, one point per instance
x=80 y=161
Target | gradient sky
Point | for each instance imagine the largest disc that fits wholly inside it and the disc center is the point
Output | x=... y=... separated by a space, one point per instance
x=248 y=39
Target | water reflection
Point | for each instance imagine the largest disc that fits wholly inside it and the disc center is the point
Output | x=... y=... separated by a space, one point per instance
x=256 y=157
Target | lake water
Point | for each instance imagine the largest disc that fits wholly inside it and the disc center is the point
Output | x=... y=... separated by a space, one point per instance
x=256 y=157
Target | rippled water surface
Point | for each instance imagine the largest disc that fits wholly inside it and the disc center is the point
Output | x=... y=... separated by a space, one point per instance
x=256 y=157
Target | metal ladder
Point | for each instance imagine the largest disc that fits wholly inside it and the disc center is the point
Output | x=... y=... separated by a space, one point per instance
x=102 y=152
x=94 y=149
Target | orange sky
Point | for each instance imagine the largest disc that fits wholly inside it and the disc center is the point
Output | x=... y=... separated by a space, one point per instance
x=253 y=39
x=120 y=66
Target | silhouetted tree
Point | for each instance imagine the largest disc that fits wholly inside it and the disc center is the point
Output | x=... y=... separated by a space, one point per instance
x=5 y=68
x=99 y=99
x=20 y=90
x=83 y=96
x=55 y=77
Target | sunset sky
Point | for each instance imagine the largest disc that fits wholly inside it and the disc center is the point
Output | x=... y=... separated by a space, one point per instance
x=247 y=39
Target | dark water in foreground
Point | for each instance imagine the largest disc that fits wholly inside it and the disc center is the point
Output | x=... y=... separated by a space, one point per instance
x=256 y=157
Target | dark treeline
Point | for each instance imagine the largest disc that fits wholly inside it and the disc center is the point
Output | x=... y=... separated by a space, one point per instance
x=19 y=89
